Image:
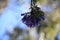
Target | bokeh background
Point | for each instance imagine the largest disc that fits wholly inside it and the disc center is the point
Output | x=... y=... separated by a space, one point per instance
x=12 y=27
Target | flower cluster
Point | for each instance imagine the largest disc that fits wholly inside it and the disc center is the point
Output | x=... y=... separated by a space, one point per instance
x=34 y=17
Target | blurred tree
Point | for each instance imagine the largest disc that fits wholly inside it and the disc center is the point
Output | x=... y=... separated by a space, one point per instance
x=3 y=5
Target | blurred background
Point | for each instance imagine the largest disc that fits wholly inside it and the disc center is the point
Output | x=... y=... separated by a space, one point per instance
x=12 y=27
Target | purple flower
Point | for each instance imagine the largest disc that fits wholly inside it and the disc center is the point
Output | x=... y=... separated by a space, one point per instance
x=34 y=18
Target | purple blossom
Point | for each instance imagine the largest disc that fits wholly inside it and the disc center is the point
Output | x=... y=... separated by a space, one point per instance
x=34 y=19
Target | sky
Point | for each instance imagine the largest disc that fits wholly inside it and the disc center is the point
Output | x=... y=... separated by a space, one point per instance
x=11 y=17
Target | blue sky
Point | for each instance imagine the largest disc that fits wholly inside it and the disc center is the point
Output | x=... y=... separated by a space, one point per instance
x=11 y=17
